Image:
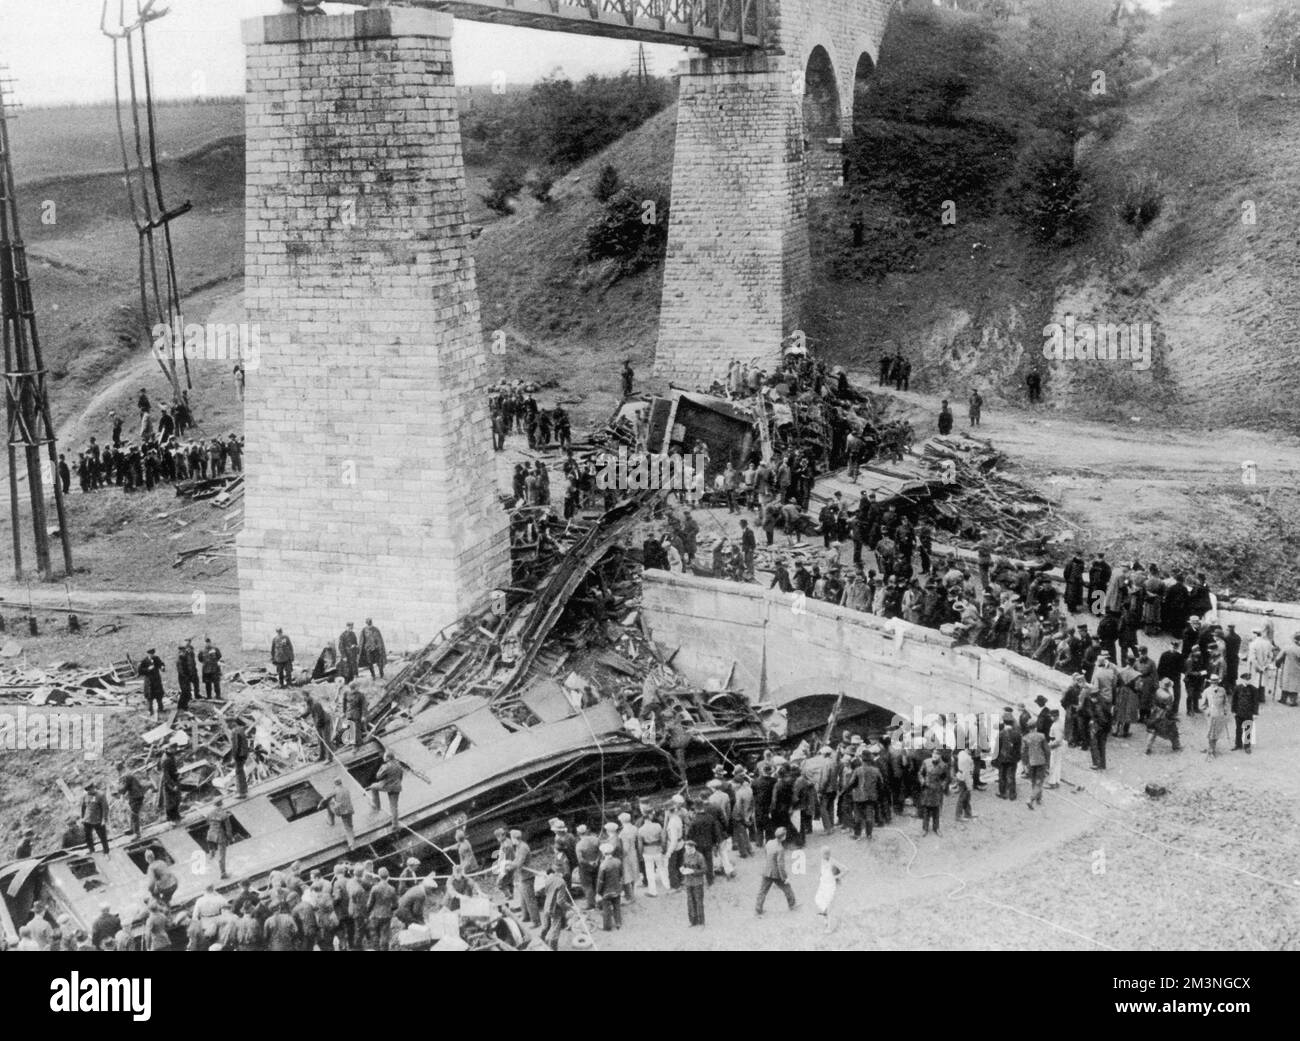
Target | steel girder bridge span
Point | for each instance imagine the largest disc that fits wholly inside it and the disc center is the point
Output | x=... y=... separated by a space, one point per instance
x=714 y=26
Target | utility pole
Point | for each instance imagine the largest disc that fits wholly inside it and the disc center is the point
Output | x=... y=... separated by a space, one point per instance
x=26 y=398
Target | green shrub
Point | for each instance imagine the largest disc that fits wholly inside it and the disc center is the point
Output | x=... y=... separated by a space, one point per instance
x=607 y=183
x=1142 y=198
x=504 y=185
x=632 y=229
x=1050 y=193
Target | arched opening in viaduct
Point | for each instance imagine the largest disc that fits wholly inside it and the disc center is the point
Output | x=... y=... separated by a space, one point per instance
x=863 y=80
x=822 y=128
x=807 y=716
x=863 y=77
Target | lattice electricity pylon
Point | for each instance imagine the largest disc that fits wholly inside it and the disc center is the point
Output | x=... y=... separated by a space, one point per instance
x=27 y=403
x=160 y=301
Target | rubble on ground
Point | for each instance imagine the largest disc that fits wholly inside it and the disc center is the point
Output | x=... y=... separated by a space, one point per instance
x=67 y=683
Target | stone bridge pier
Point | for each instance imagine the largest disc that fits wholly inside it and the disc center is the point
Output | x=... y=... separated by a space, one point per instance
x=757 y=135
x=370 y=488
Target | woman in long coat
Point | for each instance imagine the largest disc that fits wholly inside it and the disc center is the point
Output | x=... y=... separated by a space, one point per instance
x=1162 y=722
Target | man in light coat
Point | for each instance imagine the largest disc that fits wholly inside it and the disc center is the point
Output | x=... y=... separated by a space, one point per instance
x=1036 y=758
x=1259 y=662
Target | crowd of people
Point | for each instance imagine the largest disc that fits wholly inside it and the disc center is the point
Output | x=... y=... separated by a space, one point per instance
x=764 y=808
x=1002 y=603
x=161 y=454
x=513 y=408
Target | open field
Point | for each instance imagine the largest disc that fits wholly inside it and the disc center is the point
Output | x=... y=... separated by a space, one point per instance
x=81 y=139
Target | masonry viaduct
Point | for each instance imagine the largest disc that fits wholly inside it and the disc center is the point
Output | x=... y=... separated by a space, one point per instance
x=366 y=421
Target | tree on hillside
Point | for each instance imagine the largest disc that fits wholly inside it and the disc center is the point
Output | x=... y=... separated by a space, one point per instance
x=632 y=229
x=1070 y=41
x=1188 y=27
x=607 y=183
x=1051 y=193
x=562 y=123
x=1282 y=40
x=503 y=187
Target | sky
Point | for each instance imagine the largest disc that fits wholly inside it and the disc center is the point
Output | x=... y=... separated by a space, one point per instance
x=56 y=54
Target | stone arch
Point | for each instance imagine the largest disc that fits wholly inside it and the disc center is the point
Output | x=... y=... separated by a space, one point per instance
x=823 y=126
x=864 y=74
x=812 y=698
x=806 y=716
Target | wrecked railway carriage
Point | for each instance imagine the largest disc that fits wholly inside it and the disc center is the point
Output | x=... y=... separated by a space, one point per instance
x=524 y=711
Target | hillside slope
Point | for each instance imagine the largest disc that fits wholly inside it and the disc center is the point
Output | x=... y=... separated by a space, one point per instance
x=565 y=319
x=968 y=302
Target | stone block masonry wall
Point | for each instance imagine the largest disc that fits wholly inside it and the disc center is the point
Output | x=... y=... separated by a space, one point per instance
x=758 y=638
x=737 y=264
x=369 y=466
x=737 y=268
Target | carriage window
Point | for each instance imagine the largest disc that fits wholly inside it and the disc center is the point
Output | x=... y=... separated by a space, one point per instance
x=297 y=802
x=136 y=852
x=199 y=832
x=445 y=743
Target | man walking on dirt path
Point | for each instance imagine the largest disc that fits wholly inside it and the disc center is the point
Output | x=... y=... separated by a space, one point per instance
x=1036 y=757
x=976 y=407
x=775 y=873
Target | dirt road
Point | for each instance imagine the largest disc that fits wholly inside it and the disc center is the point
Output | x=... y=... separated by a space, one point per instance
x=1169 y=495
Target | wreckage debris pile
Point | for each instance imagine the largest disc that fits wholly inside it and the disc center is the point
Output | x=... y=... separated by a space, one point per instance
x=986 y=501
x=66 y=683
x=211 y=542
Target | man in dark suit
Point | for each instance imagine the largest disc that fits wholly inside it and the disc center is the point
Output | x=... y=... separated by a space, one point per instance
x=763 y=786
x=150 y=670
x=1007 y=757
x=866 y=786
x=1231 y=657
x=1098 y=577
x=1176 y=606
x=94 y=817
x=210 y=659
x=187 y=674
x=349 y=653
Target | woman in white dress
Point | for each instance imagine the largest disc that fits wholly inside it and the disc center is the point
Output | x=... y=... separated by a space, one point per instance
x=831 y=873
